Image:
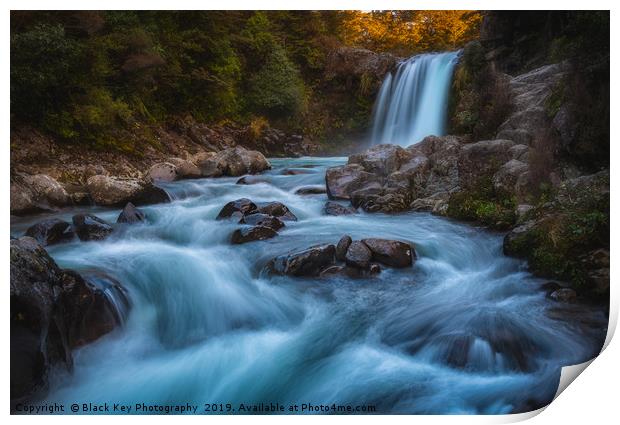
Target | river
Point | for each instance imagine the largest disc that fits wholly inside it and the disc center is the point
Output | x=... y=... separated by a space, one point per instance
x=465 y=330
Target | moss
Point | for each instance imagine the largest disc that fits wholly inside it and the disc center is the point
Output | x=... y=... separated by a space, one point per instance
x=483 y=204
x=554 y=245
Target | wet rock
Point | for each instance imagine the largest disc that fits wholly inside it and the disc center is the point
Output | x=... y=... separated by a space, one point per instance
x=342 y=247
x=341 y=181
x=276 y=209
x=358 y=255
x=334 y=208
x=382 y=160
x=550 y=287
x=52 y=312
x=130 y=214
x=250 y=234
x=51 y=231
x=265 y=220
x=242 y=205
x=309 y=262
x=297 y=171
x=565 y=295
x=253 y=180
x=311 y=190
x=163 y=172
x=112 y=191
x=332 y=271
x=391 y=253
x=89 y=227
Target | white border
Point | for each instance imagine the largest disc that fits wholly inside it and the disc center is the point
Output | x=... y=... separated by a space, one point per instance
x=592 y=399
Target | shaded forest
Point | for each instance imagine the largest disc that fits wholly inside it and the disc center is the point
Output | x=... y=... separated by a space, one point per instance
x=108 y=74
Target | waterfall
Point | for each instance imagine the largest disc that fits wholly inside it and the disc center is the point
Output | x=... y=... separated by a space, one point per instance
x=412 y=103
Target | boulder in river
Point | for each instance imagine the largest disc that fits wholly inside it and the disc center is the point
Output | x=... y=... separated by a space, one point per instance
x=566 y=295
x=89 y=227
x=52 y=312
x=341 y=181
x=311 y=190
x=253 y=180
x=334 y=208
x=265 y=220
x=358 y=255
x=51 y=231
x=342 y=247
x=185 y=169
x=36 y=193
x=242 y=205
x=276 y=209
x=112 y=191
x=309 y=262
x=234 y=161
x=130 y=214
x=163 y=172
x=250 y=234
x=390 y=252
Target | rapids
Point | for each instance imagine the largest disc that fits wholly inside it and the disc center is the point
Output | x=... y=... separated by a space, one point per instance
x=466 y=330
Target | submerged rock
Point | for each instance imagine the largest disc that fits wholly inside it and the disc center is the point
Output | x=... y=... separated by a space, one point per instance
x=51 y=231
x=334 y=208
x=89 y=227
x=130 y=214
x=391 y=253
x=250 y=234
x=311 y=190
x=253 y=180
x=309 y=262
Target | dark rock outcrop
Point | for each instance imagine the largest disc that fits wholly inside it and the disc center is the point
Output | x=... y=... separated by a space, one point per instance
x=309 y=262
x=52 y=312
x=242 y=206
x=391 y=253
x=276 y=209
x=51 y=231
x=358 y=255
x=342 y=247
x=89 y=227
x=131 y=214
x=265 y=220
x=250 y=234
x=311 y=190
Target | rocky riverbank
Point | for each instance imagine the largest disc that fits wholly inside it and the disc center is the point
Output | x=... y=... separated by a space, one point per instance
x=563 y=232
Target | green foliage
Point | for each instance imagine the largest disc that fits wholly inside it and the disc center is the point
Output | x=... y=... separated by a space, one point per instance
x=43 y=64
x=483 y=204
x=276 y=89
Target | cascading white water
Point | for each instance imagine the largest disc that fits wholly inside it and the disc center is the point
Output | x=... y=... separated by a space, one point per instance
x=466 y=330
x=413 y=103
